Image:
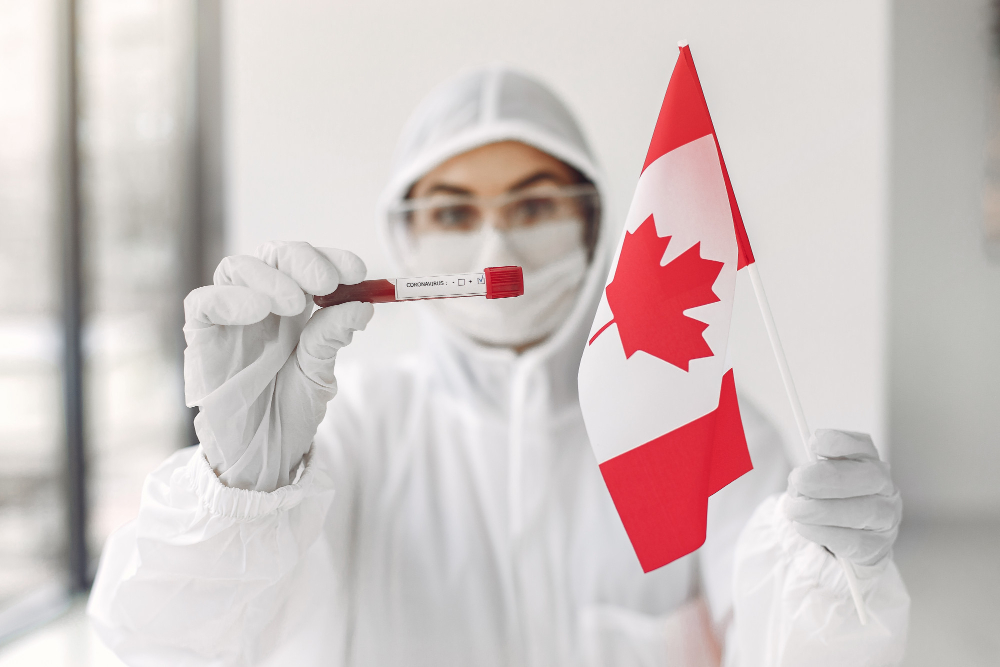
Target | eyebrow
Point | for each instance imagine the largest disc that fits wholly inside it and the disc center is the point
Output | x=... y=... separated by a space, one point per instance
x=532 y=180
x=448 y=189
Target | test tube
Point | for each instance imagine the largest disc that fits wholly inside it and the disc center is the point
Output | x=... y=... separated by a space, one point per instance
x=495 y=282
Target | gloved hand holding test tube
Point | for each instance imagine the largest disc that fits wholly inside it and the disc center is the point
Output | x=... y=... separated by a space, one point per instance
x=495 y=282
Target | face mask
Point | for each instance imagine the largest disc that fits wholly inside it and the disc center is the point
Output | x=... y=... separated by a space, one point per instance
x=554 y=261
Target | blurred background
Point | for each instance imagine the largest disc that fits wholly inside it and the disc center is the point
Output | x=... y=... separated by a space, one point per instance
x=142 y=140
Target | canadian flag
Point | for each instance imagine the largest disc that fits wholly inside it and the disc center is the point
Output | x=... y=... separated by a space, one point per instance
x=656 y=388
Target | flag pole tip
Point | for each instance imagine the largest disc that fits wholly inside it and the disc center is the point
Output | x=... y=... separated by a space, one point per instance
x=681 y=44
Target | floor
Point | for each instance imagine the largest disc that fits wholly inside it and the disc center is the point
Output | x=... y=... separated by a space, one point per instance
x=952 y=571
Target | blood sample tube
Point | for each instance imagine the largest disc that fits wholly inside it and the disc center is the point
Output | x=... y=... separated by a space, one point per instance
x=495 y=282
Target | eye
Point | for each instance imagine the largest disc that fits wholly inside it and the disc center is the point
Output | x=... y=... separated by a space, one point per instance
x=532 y=210
x=455 y=217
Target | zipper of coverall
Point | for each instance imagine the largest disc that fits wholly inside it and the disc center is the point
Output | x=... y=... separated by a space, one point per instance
x=515 y=462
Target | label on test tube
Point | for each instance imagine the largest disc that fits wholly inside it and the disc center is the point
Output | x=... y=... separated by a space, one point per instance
x=430 y=287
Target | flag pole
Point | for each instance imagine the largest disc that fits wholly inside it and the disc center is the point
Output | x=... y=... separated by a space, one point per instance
x=800 y=417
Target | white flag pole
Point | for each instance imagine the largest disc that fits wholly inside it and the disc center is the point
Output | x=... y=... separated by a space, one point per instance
x=800 y=417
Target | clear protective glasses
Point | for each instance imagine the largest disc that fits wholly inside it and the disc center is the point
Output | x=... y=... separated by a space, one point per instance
x=522 y=208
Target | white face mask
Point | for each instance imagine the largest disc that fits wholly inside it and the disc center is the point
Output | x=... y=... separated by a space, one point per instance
x=554 y=261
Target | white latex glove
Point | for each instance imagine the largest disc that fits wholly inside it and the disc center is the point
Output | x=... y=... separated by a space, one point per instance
x=258 y=367
x=845 y=501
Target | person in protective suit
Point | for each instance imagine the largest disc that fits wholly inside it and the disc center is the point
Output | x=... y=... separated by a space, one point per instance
x=447 y=508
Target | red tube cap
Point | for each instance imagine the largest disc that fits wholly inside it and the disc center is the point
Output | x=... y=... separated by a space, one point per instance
x=504 y=281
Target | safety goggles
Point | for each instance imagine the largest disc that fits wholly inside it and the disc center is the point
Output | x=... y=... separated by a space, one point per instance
x=466 y=213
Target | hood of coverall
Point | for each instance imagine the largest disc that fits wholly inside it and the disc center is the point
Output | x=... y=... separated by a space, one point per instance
x=485 y=106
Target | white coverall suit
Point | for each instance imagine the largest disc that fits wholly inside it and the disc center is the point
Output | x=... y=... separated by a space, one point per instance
x=451 y=511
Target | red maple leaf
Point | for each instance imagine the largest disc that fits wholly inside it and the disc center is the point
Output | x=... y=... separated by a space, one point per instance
x=648 y=300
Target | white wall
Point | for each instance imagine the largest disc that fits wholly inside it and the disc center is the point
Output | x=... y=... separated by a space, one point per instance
x=317 y=93
x=945 y=292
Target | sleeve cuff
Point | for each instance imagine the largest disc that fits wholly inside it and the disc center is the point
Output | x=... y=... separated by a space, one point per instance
x=218 y=499
x=793 y=605
x=810 y=560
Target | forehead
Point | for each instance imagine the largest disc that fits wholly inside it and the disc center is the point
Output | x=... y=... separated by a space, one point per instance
x=493 y=169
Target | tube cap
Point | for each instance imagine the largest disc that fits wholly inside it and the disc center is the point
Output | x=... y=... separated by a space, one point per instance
x=504 y=281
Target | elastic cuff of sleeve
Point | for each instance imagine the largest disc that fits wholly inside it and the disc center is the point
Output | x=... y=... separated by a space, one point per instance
x=244 y=504
x=875 y=570
x=811 y=560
